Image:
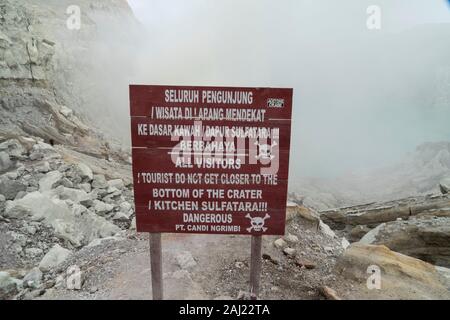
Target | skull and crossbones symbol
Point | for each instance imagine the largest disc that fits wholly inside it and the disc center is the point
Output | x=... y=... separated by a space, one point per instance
x=257 y=223
x=265 y=150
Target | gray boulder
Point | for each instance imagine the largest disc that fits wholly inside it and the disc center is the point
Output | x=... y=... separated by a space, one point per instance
x=444 y=185
x=85 y=172
x=125 y=206
x=33 y=279
x=99 y=182
x=43 y=168
x=402 y=277
x=55 y=213
x=116 y=183
x=86 y=187
x=50 y=181
x=10 y=188
x=94 y=227
x=5 y=162
x=74 y=195
x=102 y=208
x=55 y=257
x=45 y=151
x=427 y=239
x=13 y=148
x=15 y=210
x=8 y=286
x=121 y=217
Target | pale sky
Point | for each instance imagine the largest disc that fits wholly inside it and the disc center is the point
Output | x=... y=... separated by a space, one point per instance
x=362 y=98
x=398 y=14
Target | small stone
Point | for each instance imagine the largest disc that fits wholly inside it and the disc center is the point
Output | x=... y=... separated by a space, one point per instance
x=102 y=208
x=112 y=191
x=289 y=251
x=10 y=188
x=239 y=264
x=33 y=294
x=93 y=290
x=86 y=187
x=49 y=284
x=291 y=238
x=267 y=257
x=74 y=195
x=328 y=249
x=99 y=181
x=16 y=211
x=66 y=183
x=5 y=162
x=42 y=150
x=275 y=289
x=78 y=209
x=133 y=224
x=329 y=293
x=44 y=167
x=125 y=206
x=280 y=243
x=33 y=279
x=50 y=181
x=304 y=263
x=444 y=185
x=326 y=230
x=185 y=260
x=120 y=216
x=85 y=172
x=116 y=183
x=56 y=256
x=8 y=286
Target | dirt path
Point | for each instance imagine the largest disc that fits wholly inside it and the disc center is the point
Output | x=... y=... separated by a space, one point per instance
x=203 y=267
x=132 y=278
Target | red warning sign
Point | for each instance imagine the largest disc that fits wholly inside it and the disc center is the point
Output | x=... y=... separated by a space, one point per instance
x=210 y=159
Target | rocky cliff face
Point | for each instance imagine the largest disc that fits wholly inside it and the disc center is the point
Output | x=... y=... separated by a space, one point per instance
x=53 y=153
x=48 y=72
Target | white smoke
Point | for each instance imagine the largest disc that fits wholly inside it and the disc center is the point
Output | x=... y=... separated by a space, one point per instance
x=362 y=97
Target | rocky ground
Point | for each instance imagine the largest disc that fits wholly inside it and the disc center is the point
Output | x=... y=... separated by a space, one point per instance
x=52 y=205
x=60 y=208
x=67 y=232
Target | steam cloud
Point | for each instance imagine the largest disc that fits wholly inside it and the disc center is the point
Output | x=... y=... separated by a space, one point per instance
x=362 y=98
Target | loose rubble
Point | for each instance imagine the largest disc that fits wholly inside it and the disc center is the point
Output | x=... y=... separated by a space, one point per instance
x=50 y=208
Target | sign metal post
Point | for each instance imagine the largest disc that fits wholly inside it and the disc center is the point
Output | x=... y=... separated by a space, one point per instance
x=255 y=266
x=156 y=265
